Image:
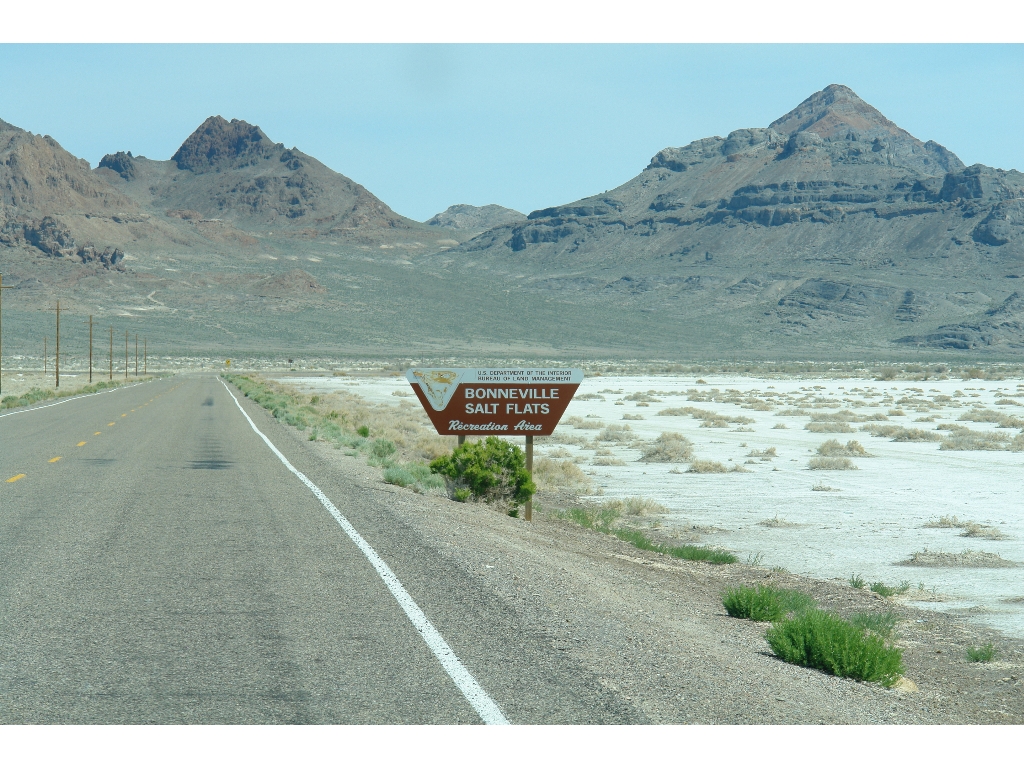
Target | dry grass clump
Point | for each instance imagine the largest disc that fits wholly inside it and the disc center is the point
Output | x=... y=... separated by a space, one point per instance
x=633 y=416
x=589 y=396
x=828 y=426
x=848 y=416
x=963 y=439
x=608 y=461
x=669 y=447
x=968 y=528
x=780 y=425
x=551 y=473
x=830 y=462
x=823 y=487
x=836 y=448
x=901 y=434
x=764 y=455
x=578 y=422
x=560 y=453
x=710 y=418
x=777 y=522
x=616 y=433
x=635 y=505
x=1017 y=444
x=707 y=467
x=1004 y=420
x=1007 y=401
x=966 y=559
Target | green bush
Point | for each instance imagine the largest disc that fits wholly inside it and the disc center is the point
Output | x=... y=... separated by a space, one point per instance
x=880 y=588
x=856 y=581
x=363 y=431
x=821 y=640
x=412 y=475
x=764 y=603
x=381 y=452
x=982 y=655
x=491 y=470
x=882 y=624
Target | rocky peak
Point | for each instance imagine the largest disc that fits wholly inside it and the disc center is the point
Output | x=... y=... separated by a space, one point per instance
x=218 y=143
x=121 y=163
x=837 y=113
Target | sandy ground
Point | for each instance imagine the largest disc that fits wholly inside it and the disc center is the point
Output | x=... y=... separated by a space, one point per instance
x=871 y=519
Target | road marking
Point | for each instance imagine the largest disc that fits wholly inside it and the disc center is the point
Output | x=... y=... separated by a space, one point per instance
x=477 y=697
x=110 y=424
x=69 y=399
x=16 y=478
x=124 y=415
x=80 y=444
x=55 y=459
x=97 y=433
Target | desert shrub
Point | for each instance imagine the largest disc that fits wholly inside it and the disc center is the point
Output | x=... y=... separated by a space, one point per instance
x=381 y=452
x=821 y=640
x=669 y=447
x=1004 y=420
x=857 y=581
x=969 y=440
x=413 y=475
x=363 y=431
x=901 y=434
x=616 y=433
x=608 y=461
x=882 y=624
x=635 y=505
x=767 y=453
x=836 y=448
x=780 y=425
x=580 y=423
x=880 y=588
x=830 y=462
x=491 y=470
x=1017 y=444
x=551 y=473
x=632 y=417
x=982 y=654
x=707 y=467
x=828 y=426
x=966 y=559
x=589 y=396
x=765 y=603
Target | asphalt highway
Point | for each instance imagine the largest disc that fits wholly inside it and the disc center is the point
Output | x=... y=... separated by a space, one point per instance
x=159 y=563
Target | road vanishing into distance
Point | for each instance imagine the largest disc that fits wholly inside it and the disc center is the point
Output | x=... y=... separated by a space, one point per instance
x=169 y=554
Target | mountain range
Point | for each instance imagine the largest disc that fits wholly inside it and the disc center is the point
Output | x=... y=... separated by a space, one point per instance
x=832 y=232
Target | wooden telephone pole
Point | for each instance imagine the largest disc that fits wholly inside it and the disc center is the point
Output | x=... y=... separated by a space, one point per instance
x=57 y=361
x=136 y=355
x=2 y=289
x=44 y=357
x=90 y=349
x=111 y=376
x=145 y=358
x=126 y=355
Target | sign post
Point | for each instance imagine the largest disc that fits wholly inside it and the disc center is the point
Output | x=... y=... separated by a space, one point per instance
x=496 y=401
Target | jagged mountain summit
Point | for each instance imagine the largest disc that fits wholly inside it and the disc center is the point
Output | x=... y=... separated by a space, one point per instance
x=475 y=218
x=830 y=223
x=230 y=171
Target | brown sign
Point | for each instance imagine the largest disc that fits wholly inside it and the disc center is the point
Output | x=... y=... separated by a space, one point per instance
x=498 y=401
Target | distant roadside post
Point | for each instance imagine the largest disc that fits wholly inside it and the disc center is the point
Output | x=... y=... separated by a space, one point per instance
x=496 y=401
x=2 y=289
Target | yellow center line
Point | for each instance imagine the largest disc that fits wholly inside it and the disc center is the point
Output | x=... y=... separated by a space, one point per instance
x=97 y=433
x=110 y=424
x=16 y=478
x=54 y=459
x=124 y=415
x=80 y=444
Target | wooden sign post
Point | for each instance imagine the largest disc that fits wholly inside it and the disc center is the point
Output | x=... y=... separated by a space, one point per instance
x=496 y=401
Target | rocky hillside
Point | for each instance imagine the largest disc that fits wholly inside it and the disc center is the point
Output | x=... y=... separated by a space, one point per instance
x=232 y=172
x=832 y=223
x=475 y=218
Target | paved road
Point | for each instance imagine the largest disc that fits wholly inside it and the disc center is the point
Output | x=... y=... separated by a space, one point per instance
x=160 y=564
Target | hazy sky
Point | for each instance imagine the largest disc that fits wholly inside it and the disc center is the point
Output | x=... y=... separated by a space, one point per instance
x=525 y=126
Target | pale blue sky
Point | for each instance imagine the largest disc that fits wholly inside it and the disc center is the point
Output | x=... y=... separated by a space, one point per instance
x=526 y=126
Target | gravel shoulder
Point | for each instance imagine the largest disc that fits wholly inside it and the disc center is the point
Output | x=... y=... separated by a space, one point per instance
x=652 y=630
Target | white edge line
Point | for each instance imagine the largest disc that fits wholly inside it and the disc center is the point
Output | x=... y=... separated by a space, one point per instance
x=76 y=397
x=484 y=705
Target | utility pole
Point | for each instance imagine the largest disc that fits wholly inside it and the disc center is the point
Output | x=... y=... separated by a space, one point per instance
x=145 y=357
x=2 y=289
x=90 y=349
x=111 y=376
x=57 y=361
x=44 y=357
x=126 y=355
x=136 y=355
